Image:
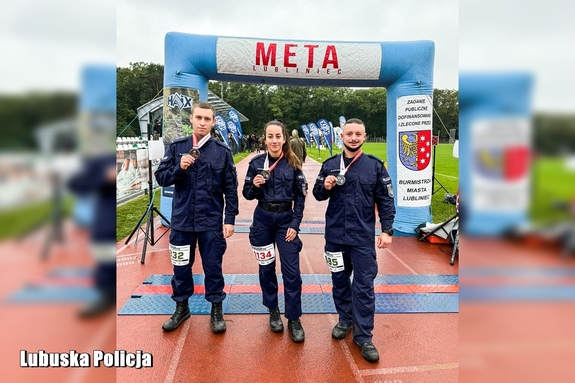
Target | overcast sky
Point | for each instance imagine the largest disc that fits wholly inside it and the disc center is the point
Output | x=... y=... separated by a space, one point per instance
x=143 y=24
x=45 y=44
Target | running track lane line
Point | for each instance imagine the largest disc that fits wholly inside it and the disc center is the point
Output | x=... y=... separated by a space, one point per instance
x=397 y=370
x=178 y=352
x=110 y=325
x=332 y=320
x=400 y=261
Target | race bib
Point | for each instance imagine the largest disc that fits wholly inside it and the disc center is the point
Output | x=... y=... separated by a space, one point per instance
x=264 y=254
x=180 y=255
x=334 y=261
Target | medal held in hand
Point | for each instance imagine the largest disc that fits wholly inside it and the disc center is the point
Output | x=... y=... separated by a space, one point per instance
x=267 y=171
x=195 y=151
x=343 y=169
x=266 y=174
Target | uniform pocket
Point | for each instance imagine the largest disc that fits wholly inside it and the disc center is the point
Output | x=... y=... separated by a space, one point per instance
x=216 y=177
x=364 y=195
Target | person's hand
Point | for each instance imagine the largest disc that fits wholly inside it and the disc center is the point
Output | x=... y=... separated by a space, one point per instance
x=259 y=180
x=111 y=174
x=383 y=241
x=329 y=182
x=228 y=230
x=186 y=161
x=290 y=234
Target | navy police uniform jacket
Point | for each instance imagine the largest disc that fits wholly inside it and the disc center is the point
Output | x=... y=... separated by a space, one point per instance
x=286 y=184
x=198 y=200
x=350 y=215
x=92 y=179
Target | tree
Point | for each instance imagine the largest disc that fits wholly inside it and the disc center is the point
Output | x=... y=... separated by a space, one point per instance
x=135 y=86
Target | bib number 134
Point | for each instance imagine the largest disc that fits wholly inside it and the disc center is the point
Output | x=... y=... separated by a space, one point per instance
x=264 y=254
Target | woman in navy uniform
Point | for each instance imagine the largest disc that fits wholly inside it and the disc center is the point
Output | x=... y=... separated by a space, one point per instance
x=276 y=180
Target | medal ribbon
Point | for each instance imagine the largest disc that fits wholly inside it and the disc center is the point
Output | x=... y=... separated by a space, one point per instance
x=196 y=144
x=267 y=162
x=342 y=168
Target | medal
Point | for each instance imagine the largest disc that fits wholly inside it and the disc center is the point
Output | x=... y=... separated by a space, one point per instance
x=267 y=171
x=343 y=169
x=195 y=151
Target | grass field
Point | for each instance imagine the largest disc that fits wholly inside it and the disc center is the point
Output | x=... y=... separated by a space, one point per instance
x=446 y=172
x=552 y=182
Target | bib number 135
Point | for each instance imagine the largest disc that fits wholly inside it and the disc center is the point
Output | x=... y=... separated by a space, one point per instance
x=334 y=261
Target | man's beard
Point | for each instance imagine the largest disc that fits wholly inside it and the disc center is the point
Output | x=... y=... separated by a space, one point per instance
x=351 y=149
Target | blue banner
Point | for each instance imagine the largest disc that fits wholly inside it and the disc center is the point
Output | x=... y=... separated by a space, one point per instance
x=306 y=134
x=314 y=133
x=341 y=121
x=222 y=129
x=325 y=129
x=234 y=131
x=235 y=117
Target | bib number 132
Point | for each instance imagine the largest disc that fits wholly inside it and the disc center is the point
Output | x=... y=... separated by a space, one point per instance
x=180 y=255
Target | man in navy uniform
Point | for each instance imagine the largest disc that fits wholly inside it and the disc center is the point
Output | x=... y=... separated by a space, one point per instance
x=202 y=171
x=354 y=182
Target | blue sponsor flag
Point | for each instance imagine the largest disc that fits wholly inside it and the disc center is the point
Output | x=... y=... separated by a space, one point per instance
x=341 y=121
x=234 y=131
x=314 y=132
x=222 y=128
x=235 y=117
x=325 y=129
x=306 y=134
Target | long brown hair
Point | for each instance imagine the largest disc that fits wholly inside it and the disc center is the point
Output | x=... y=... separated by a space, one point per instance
x=290 y=156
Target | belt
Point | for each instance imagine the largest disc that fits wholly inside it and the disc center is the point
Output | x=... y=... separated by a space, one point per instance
x=275 y=207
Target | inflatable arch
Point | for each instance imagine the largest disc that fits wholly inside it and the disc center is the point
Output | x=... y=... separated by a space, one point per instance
x=404 y=68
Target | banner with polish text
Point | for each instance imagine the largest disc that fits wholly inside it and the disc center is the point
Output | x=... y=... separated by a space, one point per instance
x=297 y=59
x=414 y=173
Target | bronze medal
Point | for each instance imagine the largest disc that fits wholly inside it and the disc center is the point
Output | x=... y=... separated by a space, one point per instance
x=266 y=174
x=195 y=153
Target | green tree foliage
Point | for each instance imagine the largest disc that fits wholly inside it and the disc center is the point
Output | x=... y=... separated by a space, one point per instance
x=21 y=115
x=446 y=113
x=294 y=105
x=554 y=134
x=136 y=85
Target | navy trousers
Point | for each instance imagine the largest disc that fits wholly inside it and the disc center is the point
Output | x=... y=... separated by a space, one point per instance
x=270 y=227
x=212 y=246
x=355 y=299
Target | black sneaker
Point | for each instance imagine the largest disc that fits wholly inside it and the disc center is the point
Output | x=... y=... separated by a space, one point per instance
x=341 y=330
x=276 y=321
x=368 y=351
x=296 y=330
x=217 y=318
x=181 y=314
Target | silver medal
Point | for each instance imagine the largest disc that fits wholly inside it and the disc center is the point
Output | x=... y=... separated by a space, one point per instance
x=266 y=174
x=340 y=179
